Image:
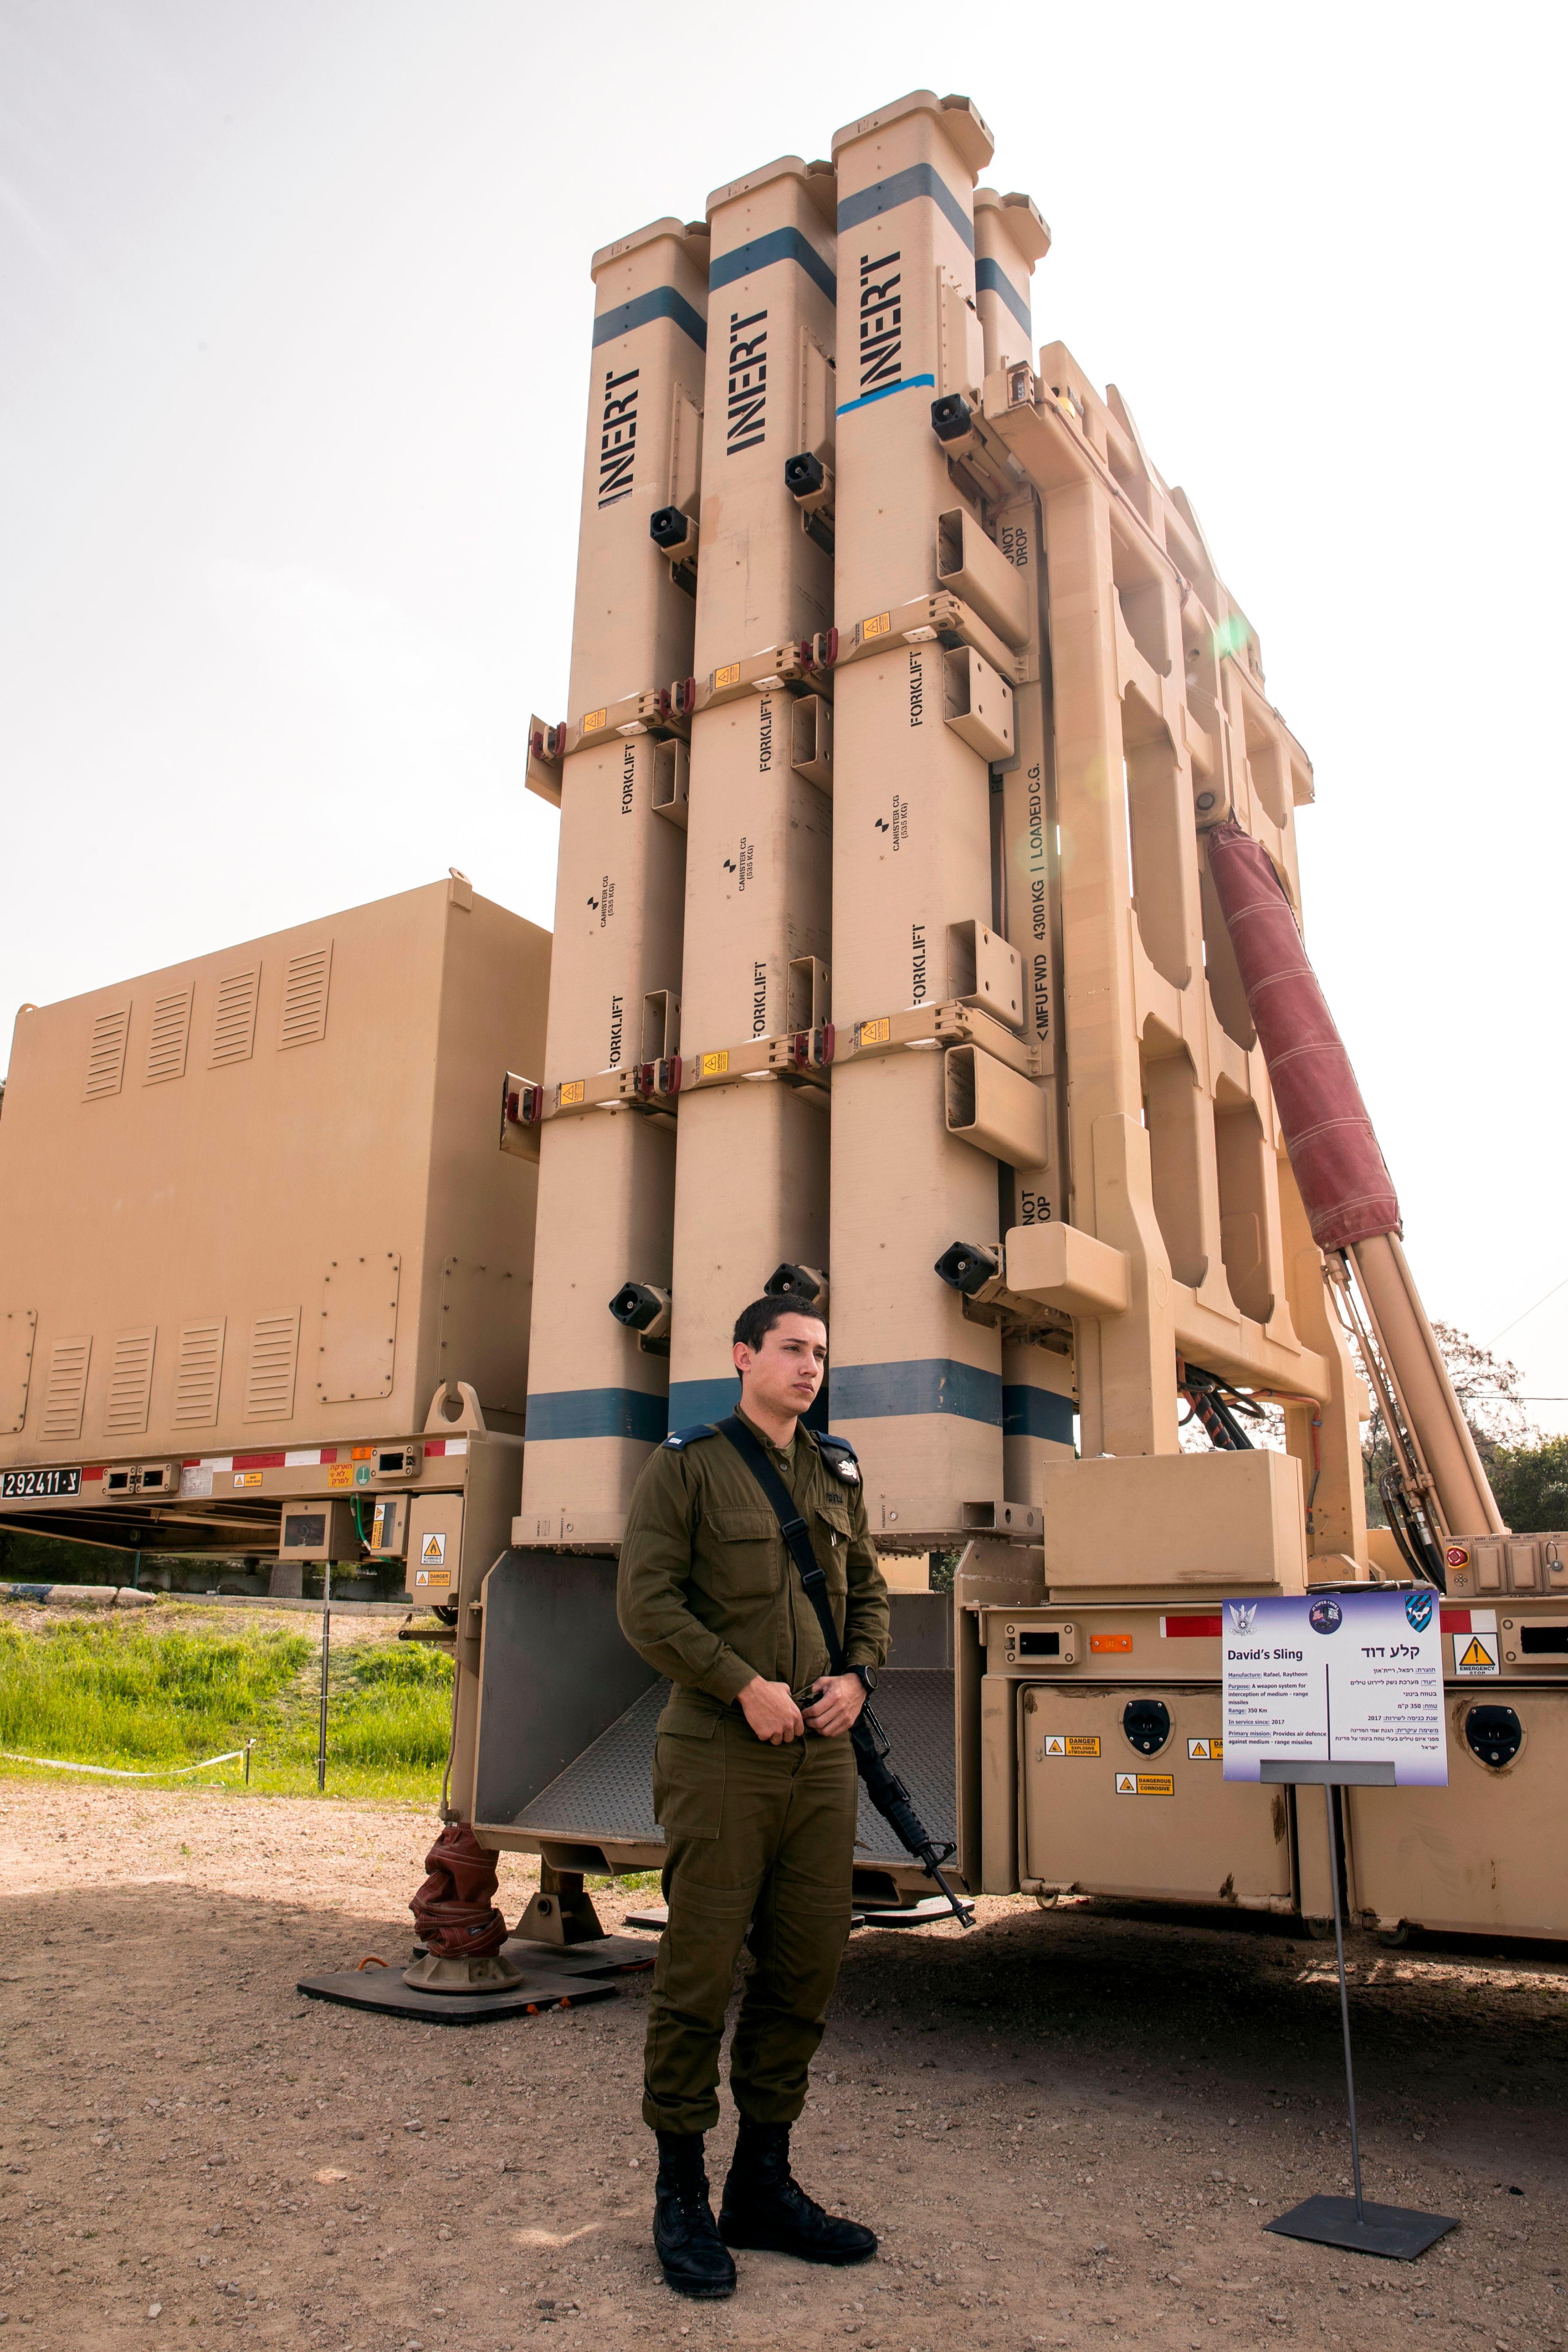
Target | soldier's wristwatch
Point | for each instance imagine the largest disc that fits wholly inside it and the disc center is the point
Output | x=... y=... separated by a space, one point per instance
x=867 y=1678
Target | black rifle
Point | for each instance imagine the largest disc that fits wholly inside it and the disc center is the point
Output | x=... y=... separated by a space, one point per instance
x=870 y=1741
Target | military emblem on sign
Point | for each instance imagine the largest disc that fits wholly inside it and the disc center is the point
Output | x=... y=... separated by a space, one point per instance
x=1419 y=1608
x=1325 y=1616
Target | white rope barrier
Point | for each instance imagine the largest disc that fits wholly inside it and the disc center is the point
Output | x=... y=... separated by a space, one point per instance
x=112 y=1772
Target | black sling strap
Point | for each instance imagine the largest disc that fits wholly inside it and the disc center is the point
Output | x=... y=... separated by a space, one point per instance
x=792 y=1527
x=867 y=1737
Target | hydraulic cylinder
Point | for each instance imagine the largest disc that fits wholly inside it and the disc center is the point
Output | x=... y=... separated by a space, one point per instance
x=752 y=1157
x=597 y=1399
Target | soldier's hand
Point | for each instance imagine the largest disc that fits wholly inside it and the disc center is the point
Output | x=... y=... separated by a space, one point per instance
x=836 y=1700
x=771 y=1713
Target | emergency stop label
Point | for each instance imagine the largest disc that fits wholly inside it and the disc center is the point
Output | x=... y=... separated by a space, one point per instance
x=1072 y=1743
x=1145 y=1784
x=1476 y=1654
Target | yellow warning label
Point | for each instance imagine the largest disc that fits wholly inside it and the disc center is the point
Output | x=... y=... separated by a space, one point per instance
x=713 y=1066
x=1072 y=1743
x=573 y=1091
x=878 y=625
x=873 y=1033
x=432 y=1576
x=728 y=676
x=1205 y=1752
x=248 y=1477
x=341 y=1475
x=432 y=1550
x=1145 y=1784
x=1478 y=1656
x=593 y=719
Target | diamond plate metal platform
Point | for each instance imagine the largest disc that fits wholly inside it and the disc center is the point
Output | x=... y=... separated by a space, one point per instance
x=607 y=1791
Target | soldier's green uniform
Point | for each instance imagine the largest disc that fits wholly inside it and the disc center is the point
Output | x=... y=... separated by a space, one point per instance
x=757 y=1837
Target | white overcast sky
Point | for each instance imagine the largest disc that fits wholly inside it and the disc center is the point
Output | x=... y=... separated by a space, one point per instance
x=294 y=309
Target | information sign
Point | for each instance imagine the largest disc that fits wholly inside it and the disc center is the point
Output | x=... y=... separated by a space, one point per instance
x=1351 y=1679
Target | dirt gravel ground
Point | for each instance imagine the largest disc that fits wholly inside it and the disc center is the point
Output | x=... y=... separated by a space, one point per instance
x=1068 y=2128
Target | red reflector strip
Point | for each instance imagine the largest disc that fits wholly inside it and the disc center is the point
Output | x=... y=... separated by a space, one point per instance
x=328 y=1453
x=432 y=1445
x=1188 y=1629
x=259 y=1461
x=92 y=1473
x=1455 y=1621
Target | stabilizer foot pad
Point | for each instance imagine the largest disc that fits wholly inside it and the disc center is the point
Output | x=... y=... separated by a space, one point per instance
x=383 y=1989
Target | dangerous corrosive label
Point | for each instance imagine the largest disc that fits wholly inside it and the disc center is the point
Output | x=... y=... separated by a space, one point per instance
x=1145 y=1784
x=1072 y=1743
x=432 y=1550
x=1205 y=1752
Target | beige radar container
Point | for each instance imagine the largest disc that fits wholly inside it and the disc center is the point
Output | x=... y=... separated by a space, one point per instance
x=254 y=1201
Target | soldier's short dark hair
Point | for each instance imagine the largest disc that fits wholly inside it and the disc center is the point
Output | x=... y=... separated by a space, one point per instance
x=754 y=1322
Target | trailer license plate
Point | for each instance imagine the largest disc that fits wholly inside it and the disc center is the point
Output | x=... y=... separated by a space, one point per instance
x=39 y=1481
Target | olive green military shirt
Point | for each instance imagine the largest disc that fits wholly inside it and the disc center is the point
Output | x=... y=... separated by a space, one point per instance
x=707 y=1591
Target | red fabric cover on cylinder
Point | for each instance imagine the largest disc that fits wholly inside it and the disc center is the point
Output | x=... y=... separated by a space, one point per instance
x=454 y=1911
x=1344 y=1183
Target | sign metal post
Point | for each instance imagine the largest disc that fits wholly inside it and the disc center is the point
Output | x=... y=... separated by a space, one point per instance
x=1350 y=1685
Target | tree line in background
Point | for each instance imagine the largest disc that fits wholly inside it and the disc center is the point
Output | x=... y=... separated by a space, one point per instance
x=1529 y=1473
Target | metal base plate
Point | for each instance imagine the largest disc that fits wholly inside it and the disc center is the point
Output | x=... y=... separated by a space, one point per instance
x=1391 y=2231
x=607 y=1956
x=383 y=1989
x=907 y=1915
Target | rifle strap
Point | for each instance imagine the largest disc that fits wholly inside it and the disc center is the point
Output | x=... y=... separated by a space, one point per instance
x=792 y=1527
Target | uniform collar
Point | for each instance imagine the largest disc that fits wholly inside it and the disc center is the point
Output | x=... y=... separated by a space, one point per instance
x=784 y=1452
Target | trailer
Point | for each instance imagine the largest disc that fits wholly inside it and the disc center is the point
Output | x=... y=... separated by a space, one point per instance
x=929 y=948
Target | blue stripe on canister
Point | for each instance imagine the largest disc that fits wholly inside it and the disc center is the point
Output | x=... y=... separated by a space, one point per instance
x=1036 y=1413
x=779 y=245
x=595 y=1413
x=902 y=188
x=910 y=383
x=990 y=278
x=922 y=1384
x=662 y=302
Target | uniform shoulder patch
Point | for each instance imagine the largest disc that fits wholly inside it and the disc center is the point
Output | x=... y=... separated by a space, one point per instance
x=839 y=1455
x=679 y=1439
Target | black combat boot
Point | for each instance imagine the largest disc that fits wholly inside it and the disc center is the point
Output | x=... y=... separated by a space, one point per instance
x=689 y=2247
x=766 y=2209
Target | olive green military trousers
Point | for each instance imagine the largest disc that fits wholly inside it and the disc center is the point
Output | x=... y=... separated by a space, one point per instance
x=761 y=1844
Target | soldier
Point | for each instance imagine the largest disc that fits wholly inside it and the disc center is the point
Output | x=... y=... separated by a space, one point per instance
x=756 y=1787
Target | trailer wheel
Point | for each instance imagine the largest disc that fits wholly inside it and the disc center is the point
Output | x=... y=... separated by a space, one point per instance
x=1320 y=1930
x=1394 y=1936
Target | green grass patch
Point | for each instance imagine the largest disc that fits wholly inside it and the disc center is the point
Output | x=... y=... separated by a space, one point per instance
x=142 y=1693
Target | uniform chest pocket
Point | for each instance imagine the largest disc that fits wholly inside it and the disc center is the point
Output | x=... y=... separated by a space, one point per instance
x=830 y=1541
x=740 y=1551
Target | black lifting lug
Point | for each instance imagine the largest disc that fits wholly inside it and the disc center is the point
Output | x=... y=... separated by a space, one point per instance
x=968 y=1267
x=803 y=474
x=668 y=527
x=951 y=417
